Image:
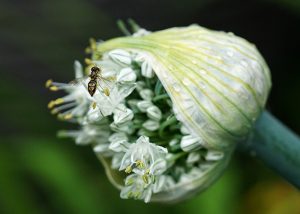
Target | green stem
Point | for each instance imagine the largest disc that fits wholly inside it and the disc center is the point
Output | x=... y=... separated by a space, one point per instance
x=165 y=124
x=160 y=97
x=277 y=146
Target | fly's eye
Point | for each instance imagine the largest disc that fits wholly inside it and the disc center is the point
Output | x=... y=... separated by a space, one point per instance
x=95 y=69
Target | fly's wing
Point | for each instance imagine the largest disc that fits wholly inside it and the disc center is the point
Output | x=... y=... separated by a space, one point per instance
x=78 y=81
x=106 y=84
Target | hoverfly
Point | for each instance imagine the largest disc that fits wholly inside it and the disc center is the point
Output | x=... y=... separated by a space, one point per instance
x=97 y=80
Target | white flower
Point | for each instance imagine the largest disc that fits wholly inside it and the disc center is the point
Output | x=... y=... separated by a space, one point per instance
x=151 y=125
x=146 y=68
x=107 y=104
x=135 y=187
x=212 y=155
x=144 y=105
x=154 y=113
x=127 y=128
x=91 y=133
x=122 y=114
x=102 y=149
x=126 y=75
x=146 y=94
x=143 y=156
x=120 y=56
x=119 y=142
x=116 y=160
x=76 y=103
x=190 y=143
x=193 y=157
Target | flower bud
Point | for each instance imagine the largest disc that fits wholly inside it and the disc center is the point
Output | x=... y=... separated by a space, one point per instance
x=154 y=113
x=126 y=75
x=191 y=143
x=146 y=94
x=120 y=56
x=144 y=105
x=122 y=114
x=218 y=84
x=151 y=125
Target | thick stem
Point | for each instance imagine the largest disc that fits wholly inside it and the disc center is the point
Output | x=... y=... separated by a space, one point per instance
x=277 y=146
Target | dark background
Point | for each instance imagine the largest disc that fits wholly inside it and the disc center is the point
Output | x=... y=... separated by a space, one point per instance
x=40 y=40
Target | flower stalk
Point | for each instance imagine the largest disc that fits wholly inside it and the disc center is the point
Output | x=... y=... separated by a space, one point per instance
x=277 y=146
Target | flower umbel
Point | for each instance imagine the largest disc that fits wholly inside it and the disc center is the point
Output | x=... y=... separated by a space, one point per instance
x=179 y=101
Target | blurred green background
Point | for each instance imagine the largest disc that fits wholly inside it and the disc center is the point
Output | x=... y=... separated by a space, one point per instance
x=40 y=40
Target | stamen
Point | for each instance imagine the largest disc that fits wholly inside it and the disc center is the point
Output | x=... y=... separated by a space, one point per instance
x=88 y=61
x=51 y=104
x=136 y=194
x=68 y=116
x=62 y=107
x=93 y=44
x=139 y=164
x=88 y=50
x=145 y=178
x=128 y=169
x=53 y=88
x=59 y=101
x=106 y=91
x=48 y=83
x=65 y=115
x=130 y=194
x=54 y=111
x=94 y=104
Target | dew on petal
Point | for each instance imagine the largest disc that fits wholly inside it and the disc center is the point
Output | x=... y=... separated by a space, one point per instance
x=186 y=81
x=203 y=71
x=229 y=53
x=244 y=63
x=202 y=85
x=176 y=87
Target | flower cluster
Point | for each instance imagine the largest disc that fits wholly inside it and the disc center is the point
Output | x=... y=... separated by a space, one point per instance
x=167 y=109
x=134 y=125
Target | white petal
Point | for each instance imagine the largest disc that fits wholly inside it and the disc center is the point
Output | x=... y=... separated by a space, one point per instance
x=159 y=184
x=146 y=94
x=214 y=155
x=144 y=105
x=101 y=148
x=147 y=70
x=151 y=125
x=126 y=127
x=118 y=137
x=126 y=75
x=193 y=157
x=154 y=113
x=189 y=143
x=121 y=56
x=119 y=146
x=122 y=114
x=78 y=69
x=158 y=167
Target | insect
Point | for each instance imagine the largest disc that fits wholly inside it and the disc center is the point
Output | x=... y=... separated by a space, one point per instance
x=96 y=79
